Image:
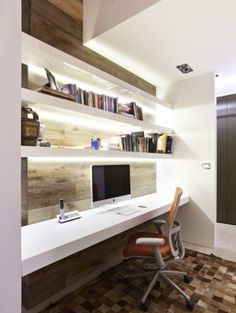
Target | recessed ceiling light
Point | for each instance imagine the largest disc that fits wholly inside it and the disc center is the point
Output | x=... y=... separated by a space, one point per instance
x=184 y=68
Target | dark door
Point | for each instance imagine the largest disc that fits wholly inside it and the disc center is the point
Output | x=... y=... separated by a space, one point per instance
x=226 y=159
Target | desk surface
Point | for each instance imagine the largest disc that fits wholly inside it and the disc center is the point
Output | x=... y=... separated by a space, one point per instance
x=47 y=242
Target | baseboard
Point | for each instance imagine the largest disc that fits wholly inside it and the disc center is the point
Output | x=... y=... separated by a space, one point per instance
x=220 y=252
x=198 y=248
x=82 y=282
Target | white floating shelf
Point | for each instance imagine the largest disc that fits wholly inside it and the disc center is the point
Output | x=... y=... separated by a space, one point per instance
x=52 y=152
x=41 y=55
x=92 y=117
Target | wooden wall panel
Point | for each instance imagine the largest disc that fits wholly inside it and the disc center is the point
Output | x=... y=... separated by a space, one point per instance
x=58 y=24
x=26 y=16
x=42 y=285
x=24 y=191
x=71 y=135
x=73 y=8
x=50 y=181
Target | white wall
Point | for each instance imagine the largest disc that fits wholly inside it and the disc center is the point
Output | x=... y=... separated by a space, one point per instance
x=10 y=260
x=194 y=121
x=102 y=15
x=225 y=86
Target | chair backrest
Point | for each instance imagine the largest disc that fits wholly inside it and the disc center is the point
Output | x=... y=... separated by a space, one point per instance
x=174 y=206
x=174 y=227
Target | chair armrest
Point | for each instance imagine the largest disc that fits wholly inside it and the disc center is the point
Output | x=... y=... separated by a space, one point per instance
x=159 y=224
x=150 y=241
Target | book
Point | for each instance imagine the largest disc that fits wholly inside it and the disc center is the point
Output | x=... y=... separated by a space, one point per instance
x=92 y=99
x=134 y=139
x=126 y=114
x=126 y=142
x=69 y=89
x=152 y=142
x=141 y=144
x=161 y=144
x=169 y=144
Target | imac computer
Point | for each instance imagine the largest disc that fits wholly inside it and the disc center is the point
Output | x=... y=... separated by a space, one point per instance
x=110 y=184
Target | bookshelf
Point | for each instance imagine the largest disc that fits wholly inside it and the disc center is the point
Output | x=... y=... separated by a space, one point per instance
x=30 y=152
x=41 y=102
x=41 y=55
x=38 y=55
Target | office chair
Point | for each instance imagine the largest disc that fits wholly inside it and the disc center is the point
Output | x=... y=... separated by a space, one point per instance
x=158 y=250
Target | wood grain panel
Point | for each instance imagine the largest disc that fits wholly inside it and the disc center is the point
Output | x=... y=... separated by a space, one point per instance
x=73 y=8
x=70 y=135
x=24 y=191
x=26 y=16
x=46 y=282
x=54 y=23
x=50 y=181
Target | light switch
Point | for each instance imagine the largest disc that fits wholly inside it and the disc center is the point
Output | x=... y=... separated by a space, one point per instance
x=206 y=166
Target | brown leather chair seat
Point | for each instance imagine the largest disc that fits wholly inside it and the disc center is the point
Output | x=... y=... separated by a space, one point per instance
x=132 y=249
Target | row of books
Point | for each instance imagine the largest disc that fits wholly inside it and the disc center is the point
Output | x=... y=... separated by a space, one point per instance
x=150 y=143
x=103 y=102
x=91 y=99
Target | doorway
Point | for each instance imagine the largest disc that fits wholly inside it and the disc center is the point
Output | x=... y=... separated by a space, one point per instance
x=226 y=159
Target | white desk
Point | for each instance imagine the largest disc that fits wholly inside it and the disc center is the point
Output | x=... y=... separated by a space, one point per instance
x=47 y=242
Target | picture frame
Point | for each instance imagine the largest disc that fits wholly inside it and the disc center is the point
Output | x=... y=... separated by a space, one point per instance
x=52 y=83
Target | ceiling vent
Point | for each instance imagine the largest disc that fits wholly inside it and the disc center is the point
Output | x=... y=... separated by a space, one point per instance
x=184 y=68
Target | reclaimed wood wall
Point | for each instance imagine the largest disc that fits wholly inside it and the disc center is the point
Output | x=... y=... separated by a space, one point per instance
x=50 y=181
x=60 y=24
x=47 y=285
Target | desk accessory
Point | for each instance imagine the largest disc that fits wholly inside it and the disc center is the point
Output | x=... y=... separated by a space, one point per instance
x=66 y=217
x=95 y=143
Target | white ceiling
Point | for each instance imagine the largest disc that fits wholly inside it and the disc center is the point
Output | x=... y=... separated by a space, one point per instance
x=152 y=43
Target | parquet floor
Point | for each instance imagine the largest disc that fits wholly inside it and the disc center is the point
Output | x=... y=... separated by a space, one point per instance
x=213 y=289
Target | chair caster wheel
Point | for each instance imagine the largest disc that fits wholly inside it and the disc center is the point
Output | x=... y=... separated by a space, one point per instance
x=125 y=280
x=144 y=307
x=187 y=279
x=190 y=305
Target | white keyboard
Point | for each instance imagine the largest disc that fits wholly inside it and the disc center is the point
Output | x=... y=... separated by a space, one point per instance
x=127 y=210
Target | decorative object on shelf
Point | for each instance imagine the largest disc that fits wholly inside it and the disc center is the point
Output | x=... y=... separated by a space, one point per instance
x=113 y=147
x=96 y=143
x=51 y=81
x=55 y=93
x=45 y=144
x=52 y=89
x=29 y=127
x=41 y=133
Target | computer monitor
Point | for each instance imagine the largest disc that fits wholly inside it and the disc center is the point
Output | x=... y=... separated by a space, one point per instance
x=110 y=184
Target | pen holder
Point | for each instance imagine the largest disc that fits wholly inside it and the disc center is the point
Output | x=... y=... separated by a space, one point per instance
x=95 y=143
